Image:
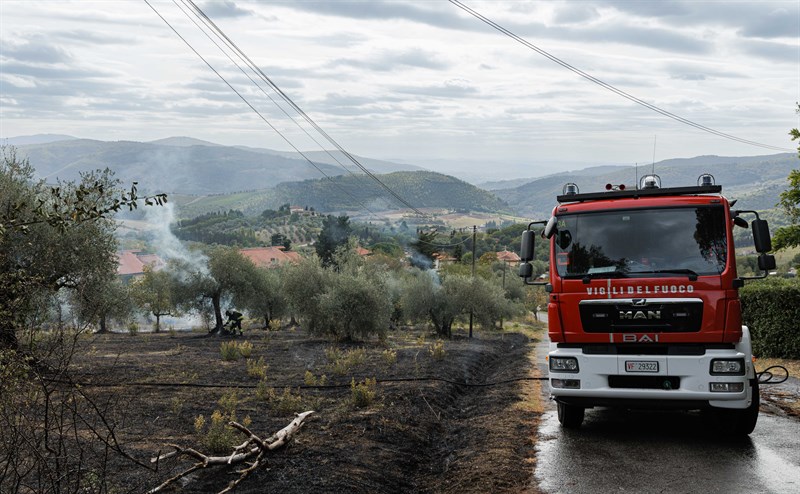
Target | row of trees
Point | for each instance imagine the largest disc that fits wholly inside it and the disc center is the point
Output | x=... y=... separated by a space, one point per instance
x=349 y=297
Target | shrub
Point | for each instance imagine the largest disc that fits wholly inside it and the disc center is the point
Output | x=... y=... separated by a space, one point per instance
x=229 y=350
x=133 y=328
x=437 y=350
x=771 y=309
x=311 y=380
x=362 y=394
x=340 y=363
x=220 y=437
x=228 y=402
x=245 y=349
x=285 y=403
x=389 y=357
x=176 y=405
x=257 y=368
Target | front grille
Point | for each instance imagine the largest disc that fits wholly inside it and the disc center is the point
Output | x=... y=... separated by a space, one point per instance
x=649 y=349
x=641 y=315
x=667 y=383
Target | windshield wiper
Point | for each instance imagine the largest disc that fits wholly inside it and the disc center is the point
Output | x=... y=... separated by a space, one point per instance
x=691 y=274
x=588 y=276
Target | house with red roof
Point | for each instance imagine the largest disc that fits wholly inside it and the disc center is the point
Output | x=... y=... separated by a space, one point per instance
x=506 y=256
x=270 y=257
x=131 y=264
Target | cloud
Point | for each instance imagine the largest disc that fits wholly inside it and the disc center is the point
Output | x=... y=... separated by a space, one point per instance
x=86 y=37
x=35 y=50
x=226 y=8
x=449 y=89
x=779 y=23
x=389 y=60
x=575 y=13
x=430 y=13
x=781 y=52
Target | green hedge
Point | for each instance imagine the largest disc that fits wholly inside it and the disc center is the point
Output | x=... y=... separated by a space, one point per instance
x=771 y=309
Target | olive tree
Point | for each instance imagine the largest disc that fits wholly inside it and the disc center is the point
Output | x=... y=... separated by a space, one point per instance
x=789 y=236
x=54 y=239
x=227 y=276
x=266 y=298
x=153 y=292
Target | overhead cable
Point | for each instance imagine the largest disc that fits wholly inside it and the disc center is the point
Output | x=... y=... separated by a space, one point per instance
x=196 y=13
x=305 y=116
x=260 y=115
x=607 y=86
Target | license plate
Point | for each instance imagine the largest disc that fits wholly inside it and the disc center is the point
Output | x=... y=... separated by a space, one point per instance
x=641 y=366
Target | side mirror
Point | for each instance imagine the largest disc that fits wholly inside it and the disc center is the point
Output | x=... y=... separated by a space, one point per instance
x=739 y=221
x=766 y=262
x=761 y=238
x=526 y=249
x=526 y=270
x=550 y=229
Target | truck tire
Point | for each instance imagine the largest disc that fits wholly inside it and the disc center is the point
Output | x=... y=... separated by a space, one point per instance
x=744 y=421
x=570 y=416
x=740 y=422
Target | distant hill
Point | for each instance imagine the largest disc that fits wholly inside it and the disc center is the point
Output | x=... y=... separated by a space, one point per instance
x=183 y=164
x=35 y=139
x=593 y=171
x=183 y=142
x=336 y=158
x=422 y=189
x=756 y=181
x=187 y=169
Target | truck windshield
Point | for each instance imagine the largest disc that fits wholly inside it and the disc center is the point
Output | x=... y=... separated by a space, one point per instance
x=638 y=243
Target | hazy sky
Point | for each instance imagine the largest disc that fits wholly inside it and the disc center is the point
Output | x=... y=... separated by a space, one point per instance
x=414 y=81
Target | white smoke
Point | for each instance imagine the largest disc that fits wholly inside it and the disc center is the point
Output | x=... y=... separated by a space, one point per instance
x=166 y=245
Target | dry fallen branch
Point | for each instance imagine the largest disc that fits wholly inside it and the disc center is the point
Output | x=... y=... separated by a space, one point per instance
x=254 y=446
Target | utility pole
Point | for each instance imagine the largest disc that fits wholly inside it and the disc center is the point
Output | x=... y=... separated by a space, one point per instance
x=474 y=234
x=504 y=286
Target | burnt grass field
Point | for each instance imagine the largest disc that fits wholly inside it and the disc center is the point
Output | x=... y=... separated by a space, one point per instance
x=414 y=435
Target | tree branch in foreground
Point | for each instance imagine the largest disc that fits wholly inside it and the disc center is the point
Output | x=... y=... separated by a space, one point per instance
x=254 y=446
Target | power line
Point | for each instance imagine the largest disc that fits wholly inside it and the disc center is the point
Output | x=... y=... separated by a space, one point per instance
x=203 y=18
x=312 y=163
x=302 y=113
x=607 y=86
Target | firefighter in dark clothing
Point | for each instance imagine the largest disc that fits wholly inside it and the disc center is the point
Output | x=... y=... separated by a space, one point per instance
x=234 y=320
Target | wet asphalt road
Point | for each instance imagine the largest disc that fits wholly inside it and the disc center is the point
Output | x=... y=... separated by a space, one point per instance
x=669 y=452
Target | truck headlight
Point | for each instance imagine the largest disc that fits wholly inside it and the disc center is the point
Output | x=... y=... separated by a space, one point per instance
x=563 y=364
x=727 y=367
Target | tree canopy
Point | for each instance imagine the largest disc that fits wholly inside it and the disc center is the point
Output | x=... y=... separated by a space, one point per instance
x=789 y=236
x=54 y=237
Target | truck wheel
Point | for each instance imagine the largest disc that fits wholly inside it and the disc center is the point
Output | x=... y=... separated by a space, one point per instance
x=745 y=420
x=570 y=416
x=740 y=422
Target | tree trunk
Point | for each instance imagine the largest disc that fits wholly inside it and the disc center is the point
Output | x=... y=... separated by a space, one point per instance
x=103 y=327
x=215 y=301
x=158 y=322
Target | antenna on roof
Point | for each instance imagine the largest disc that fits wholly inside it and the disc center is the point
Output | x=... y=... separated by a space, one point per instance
x=655 y=139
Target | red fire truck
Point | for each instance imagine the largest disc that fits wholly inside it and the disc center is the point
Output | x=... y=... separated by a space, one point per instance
x=643 y=308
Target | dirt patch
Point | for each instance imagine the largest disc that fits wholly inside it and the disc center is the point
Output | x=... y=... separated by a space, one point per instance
x=415 y=435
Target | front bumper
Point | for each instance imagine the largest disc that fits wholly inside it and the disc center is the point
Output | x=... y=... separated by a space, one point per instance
x=682 y=381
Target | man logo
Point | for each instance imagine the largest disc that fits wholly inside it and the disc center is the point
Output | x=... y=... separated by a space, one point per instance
x=640 y=314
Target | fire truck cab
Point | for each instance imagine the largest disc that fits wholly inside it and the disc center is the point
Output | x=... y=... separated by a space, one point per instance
x=643 y=305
